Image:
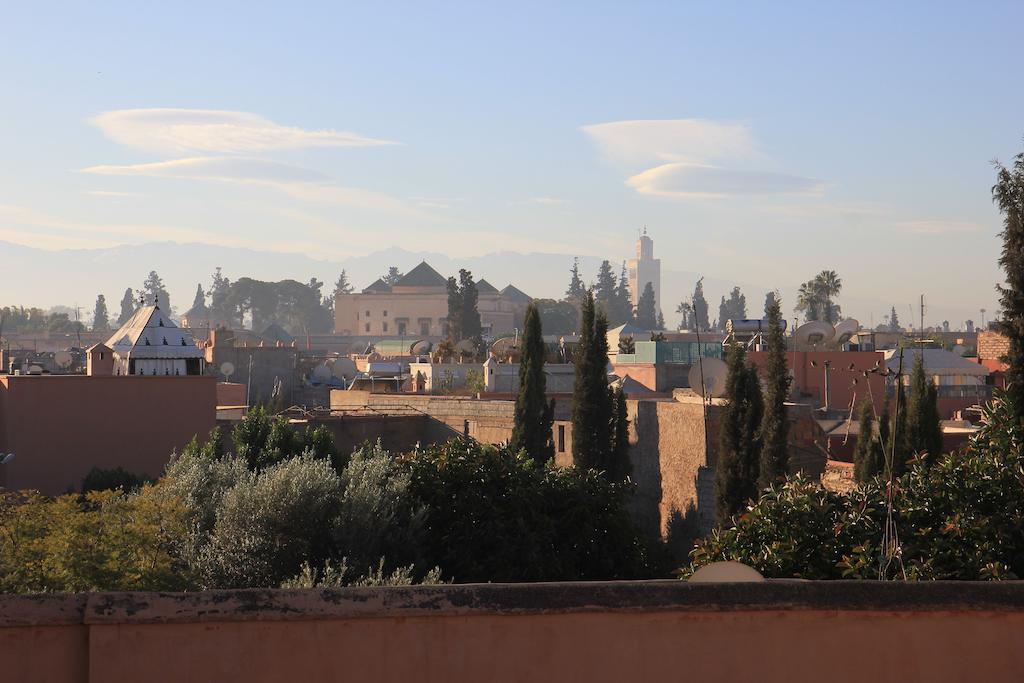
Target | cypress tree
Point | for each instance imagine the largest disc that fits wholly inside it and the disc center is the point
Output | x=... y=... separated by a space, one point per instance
x=881 y=453
x=576 y=290
x=867 y=458
x=100 y=318
x=700 y=308
x=127 y=307
x=646 y=316
x=454 y=311
x=591 y=403
x=898 y=442
x=924 y=431
x=739 y=445
x=774 y=426
x=620 y=465
x=584 y=430
x=1008 y=194
x=531 y=431
x=469 y=316
x=623 y=300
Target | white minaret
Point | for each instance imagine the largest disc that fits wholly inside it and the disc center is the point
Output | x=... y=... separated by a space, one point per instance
x=643 y=269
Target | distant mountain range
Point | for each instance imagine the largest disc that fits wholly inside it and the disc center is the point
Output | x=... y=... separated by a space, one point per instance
x=68 y=277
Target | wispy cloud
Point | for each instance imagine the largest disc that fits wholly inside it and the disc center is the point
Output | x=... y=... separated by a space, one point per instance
x=215 y=168
x=305 y=184
x=938 y=227
x=543 y=201
x=693 y=158
x=112 y=194
x=184 y=131
x=642 y=142
x=684 y=180
x=17 y=221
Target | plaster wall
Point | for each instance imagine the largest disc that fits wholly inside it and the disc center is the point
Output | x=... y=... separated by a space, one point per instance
x=61 y=426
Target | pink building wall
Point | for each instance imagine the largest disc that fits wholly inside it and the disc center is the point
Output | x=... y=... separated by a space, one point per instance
x=61 y=426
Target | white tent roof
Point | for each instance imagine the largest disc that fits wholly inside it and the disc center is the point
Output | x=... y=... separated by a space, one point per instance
x=936 y=362
x=149 y=333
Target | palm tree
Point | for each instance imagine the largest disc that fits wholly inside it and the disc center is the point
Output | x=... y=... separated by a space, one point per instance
x=807 y=301
x=829 y=284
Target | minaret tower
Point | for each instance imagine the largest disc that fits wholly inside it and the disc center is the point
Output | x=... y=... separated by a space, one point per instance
x=643 y=269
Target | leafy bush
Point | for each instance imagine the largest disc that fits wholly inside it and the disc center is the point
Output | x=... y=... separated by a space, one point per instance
x=103 y=540
x=268 y=525
x=493 y=515
x=960 y=518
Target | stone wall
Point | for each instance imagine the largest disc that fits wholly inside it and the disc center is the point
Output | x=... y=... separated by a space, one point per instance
x=559 y=632
x=673 y=457
x=992 y=345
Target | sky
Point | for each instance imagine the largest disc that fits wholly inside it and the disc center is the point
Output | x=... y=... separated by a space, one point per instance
x=758 y=142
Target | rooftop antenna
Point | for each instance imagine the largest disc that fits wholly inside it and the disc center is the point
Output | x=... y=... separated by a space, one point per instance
x=983 y=311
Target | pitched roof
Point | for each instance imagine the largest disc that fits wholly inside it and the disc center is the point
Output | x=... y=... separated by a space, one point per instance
x=485 y=287
x=149 y=333
x=514 y=294
x=378 y=286
x=422 y=276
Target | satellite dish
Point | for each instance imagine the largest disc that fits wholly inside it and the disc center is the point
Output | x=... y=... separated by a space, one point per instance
x=814 y=333
x=343 y=368
x=6 y=458
x=421 y=348
x=322 y=373
x=63 y=359
x=227 y=368
x=845 y=331
x=715 y=372
x=726 y=572
x=35 y=370
x=466 y=347
x=504 y=347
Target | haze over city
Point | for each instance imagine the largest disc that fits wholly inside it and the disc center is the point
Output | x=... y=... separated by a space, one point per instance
x=759 y=144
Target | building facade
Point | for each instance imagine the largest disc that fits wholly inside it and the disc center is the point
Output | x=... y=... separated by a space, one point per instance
x=417 y=306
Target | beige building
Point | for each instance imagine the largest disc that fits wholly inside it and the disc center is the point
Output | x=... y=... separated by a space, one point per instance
x=417 y=305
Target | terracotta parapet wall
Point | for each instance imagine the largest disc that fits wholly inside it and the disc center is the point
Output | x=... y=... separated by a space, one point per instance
x=560 y=632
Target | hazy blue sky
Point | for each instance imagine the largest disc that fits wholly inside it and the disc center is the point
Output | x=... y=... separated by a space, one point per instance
x=759 y=142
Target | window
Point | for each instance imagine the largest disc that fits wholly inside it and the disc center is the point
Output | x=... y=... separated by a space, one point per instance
x=367 y=327
x=385 y=327
x=385 y=313
x=561 y=438
x=465 y=428
x=367 y=314
x=401 y=328
x=425 y=327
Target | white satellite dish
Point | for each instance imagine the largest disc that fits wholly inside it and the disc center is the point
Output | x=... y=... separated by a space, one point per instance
x=845 y=331
x=6 y=458
x=504 y=347
x=62 y=359
x=814 y=333
x=726 y=572
x=227 y=368
x=715 y=373
x=322 y=373
x=466 y=347
x=421 y=348
x=35 y=370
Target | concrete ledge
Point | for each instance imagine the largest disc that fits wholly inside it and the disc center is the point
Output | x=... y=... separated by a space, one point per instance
x=508 y=599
